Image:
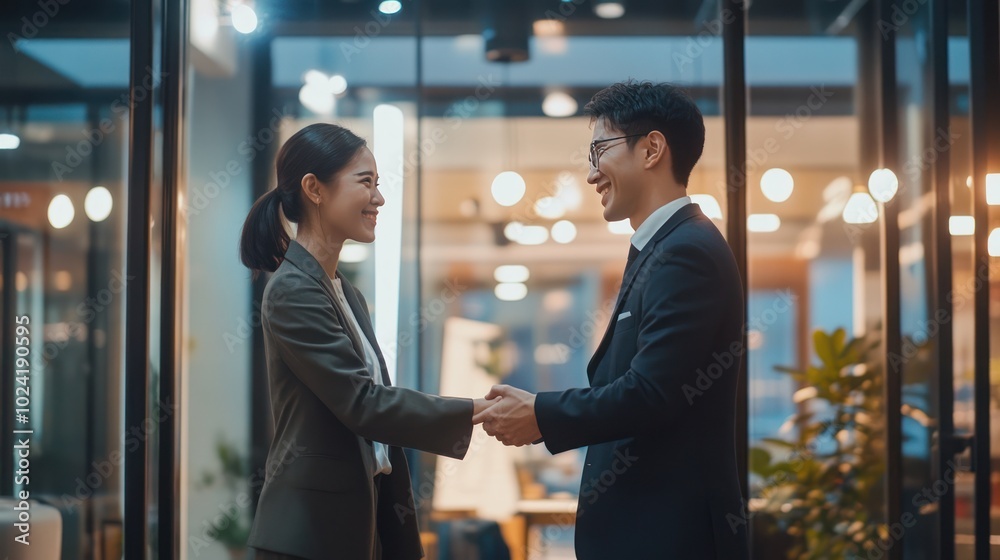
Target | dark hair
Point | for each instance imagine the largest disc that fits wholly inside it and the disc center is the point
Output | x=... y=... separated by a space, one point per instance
x=321 y=149
x=642 y=107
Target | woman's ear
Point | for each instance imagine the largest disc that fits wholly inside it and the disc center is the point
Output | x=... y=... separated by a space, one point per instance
x=312 y=188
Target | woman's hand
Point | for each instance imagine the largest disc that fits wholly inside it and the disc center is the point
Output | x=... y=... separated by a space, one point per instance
x=480 y=405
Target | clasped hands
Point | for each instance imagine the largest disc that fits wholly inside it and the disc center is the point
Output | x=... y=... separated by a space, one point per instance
x=508 y=414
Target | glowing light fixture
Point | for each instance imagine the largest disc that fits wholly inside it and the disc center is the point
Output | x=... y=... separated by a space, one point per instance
x=777 y=184
x=883 y=184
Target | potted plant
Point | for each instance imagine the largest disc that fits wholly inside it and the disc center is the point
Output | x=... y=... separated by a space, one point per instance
x=232 y=531
x=820 y=488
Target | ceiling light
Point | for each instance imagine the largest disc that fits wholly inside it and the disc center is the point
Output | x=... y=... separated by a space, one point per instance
x=763 y=223
x=61 y=211
x=244 y=18
x=337 y=84
x=9 y=141
x=777 y=184
x=962 y=225
x=389 y=7
x=709 y=205
x=993 y=188
x=563 y=231
x=883 y=184
x=510 y=291
x=526 y=235
x=511 y=273
x=559 y=104
x=508 y=188
x=860 y=208
x=609 y=10
x=97 y=205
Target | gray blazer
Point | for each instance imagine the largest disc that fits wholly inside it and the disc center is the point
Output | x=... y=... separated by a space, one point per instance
x=318 y=500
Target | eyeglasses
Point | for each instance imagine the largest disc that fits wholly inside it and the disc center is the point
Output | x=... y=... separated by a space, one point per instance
x=595 y=154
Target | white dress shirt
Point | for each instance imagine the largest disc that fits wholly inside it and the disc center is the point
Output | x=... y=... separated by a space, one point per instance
x=382 y=463
x=655 y=221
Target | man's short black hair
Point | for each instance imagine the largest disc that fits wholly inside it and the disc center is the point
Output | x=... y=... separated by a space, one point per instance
x=642 y=107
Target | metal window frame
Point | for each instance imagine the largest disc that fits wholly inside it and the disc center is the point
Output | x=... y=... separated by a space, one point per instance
x=984 y=118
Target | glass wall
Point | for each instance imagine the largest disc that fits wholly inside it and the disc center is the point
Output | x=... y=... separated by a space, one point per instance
x=64 y=121
x=519 y=287
x=464 y=103
x=815 y=302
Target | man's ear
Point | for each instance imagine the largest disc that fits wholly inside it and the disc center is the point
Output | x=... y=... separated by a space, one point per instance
x=656 y=150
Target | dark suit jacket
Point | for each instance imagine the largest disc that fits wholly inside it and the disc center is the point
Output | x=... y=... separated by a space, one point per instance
x=660 y=480
x=318 y=498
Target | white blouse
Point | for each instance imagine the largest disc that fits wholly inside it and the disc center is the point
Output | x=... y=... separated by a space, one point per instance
x=371 y=360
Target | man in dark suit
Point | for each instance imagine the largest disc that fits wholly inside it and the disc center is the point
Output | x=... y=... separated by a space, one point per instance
x=660 y=479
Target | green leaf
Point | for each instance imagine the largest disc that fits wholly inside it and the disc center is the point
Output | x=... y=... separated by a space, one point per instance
x=823 y=344
x=760 y=461
x=837 y=341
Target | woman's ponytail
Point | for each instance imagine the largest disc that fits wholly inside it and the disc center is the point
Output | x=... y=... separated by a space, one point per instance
x=264 y=240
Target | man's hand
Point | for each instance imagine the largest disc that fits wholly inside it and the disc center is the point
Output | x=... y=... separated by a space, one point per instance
x=481 y=405
x=512 y=420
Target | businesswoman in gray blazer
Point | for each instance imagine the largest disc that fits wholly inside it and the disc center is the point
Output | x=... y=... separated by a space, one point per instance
x=337 y=485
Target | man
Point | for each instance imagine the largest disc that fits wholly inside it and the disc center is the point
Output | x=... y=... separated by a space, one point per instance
x=660 y=479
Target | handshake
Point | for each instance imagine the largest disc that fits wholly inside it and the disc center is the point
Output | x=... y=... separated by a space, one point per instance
x=508 y=414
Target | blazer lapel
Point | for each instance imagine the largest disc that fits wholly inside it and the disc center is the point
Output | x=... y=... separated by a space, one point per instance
x=303 y=259
x=683 y=214
x=366 y=326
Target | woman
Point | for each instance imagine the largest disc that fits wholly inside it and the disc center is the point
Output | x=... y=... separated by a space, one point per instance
x=337 y=484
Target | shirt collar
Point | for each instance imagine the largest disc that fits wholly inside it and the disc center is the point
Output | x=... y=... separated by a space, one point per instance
x=655 y=221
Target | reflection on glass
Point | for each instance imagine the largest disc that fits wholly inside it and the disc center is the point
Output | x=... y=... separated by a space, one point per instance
x=816 y=426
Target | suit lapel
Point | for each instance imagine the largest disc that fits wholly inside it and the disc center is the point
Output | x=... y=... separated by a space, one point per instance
x=683 y=214
x=366 y=326
x=303 y=259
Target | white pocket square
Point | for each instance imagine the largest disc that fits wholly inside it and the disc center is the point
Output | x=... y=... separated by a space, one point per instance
x=624 y=315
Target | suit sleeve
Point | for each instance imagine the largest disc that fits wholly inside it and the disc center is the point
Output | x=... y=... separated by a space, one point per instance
x=311 y=341
x=680 y=317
